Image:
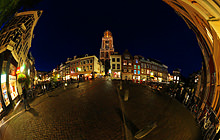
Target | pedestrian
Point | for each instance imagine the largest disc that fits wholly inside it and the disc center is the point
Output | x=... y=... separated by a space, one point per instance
x=26 y=105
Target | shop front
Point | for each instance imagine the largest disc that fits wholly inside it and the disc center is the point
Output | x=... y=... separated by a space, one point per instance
x=116 y=75
x=8 y=82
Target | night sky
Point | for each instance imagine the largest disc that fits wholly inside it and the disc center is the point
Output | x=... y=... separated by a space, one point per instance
x=67 y=28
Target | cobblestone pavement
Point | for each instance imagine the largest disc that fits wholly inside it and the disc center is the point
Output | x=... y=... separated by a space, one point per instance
x=94 y=112
x=174 y=121
x=85 y=113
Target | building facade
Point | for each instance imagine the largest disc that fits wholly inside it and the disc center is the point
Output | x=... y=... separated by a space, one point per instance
x=15 y=42
x=127 y=66
x=116 y=66
x=86 y=67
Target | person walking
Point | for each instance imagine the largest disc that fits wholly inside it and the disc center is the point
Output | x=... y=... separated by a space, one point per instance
x=26 y=105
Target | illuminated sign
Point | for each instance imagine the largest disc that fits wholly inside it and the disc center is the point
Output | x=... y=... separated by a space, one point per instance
x=18 y=70
x=79 y=69
x=151 y=74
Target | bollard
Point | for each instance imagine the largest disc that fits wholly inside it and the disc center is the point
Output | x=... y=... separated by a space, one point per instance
x=120 y=85
x=126 y=95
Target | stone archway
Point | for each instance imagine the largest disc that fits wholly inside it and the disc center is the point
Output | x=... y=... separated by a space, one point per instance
x=203 y=17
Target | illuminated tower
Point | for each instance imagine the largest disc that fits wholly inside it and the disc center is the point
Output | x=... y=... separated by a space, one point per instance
x=107 y=46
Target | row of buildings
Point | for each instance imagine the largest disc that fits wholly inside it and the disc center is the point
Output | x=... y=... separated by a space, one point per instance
x=118 y=66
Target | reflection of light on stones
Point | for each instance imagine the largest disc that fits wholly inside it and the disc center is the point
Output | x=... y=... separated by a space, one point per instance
x=17 y=104
x=4 y=122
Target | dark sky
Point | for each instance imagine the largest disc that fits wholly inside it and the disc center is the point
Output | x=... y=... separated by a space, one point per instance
x=67 y=28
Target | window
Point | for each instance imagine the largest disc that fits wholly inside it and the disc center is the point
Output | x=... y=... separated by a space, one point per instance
x=148 y=71
x=148 y=66
x=87 y=68
x=113 y=59
x=87 y=61
x=113 y=66
x=118 y=66
x=142 y=65
x=118 y=59
x=129 y=69
x=136 y=61
x=138 y=66
x=77 y=63
x=125 y=70
x=84 y=68
x=84 y=62
x=129 y=63
x=134 y=71
x=142 y=71
x=124 y=62
x=134 y=66
x=90 y=60
x=138 y=72
x=90 y=67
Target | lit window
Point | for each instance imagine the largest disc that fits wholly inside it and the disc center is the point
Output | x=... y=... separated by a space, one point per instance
x=138 y=66
x=124 y=62
x=178 y=77
x=134 y=71
x=136 y=61
x=148 y=71
x=134 y=66
x=174 y=77
x=138 y=72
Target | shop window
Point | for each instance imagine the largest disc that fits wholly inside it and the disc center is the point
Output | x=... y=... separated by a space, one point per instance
x=113 y=66
x=118 y=59
x=135 y=72
x=118 y=66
